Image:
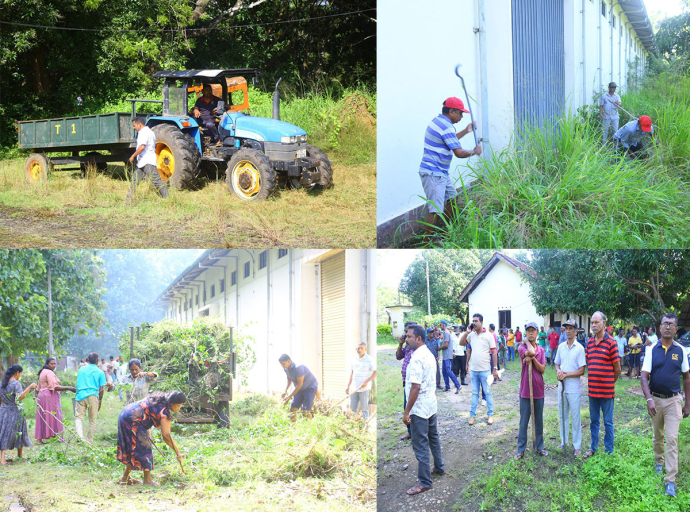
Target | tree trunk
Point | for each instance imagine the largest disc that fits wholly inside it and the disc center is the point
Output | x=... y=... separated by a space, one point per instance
x=12 y=360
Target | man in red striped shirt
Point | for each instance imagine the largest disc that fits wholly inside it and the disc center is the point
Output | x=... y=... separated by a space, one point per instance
x=603 y=370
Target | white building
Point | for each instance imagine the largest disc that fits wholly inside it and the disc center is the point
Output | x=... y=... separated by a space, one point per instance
x=501 y=296
x=521 y=60
x=314 y=305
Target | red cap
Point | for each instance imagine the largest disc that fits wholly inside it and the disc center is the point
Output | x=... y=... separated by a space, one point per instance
x=645 y=123
x=456 y=103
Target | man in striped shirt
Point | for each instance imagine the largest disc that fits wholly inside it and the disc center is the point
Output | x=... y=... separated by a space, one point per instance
x=603 y=370
x=440 y=144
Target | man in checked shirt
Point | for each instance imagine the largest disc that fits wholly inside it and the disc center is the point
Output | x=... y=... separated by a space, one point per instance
x=404 y=353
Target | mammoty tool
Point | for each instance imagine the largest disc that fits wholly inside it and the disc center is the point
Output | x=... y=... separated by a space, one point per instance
x=563 y=431
x=469 y=107
x=159 y=451
x=618 y=106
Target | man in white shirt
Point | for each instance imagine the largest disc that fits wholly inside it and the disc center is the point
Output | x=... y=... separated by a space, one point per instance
x=363 y=371
x=570 y=366
x=421 y=409
x=459 y=359
x=147 y=162
x=482 y=362
x=608 y=111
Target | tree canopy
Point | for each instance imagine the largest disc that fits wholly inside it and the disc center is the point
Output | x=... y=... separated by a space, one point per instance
x=449 y=273
x=625 y=284
x=673 y=37
x=116 y=45
x=78 y=281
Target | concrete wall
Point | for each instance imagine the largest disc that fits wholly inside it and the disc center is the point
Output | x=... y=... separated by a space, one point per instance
x=416 y=55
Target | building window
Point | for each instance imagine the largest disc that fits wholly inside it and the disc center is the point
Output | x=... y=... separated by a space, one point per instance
x=233 y=278
x=504 y=319
x=213 y=290
x=246 y=270
x=197 y=299
x=603 y=9
x=282 y=252
x=222 y=285
x=263 y=256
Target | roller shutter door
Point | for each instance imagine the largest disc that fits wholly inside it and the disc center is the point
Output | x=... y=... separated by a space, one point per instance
x=538 y=61
x=333 y=326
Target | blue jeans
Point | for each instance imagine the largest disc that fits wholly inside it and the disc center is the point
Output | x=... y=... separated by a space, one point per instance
x=480 y=379
x=405 y=406
x=511 y=354
x=448 y=374
x=606 y=406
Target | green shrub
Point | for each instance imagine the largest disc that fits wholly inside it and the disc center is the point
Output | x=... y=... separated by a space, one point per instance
x=384 y=329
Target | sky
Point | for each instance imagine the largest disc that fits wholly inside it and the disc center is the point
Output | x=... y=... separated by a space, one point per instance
x=666 y=7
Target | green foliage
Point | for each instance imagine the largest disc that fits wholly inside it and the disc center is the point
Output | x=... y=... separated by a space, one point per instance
x=42 y=71
x=77 y=294
x=192 y=359
x=621 y=283
x=449 y=273
x=673 y=37
x=384 y=329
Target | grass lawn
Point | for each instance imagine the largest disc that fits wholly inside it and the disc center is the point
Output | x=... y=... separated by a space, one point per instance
x=481 y=472
x=262 y=462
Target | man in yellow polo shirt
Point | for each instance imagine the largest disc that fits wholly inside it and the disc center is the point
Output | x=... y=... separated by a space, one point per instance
x=635 y=345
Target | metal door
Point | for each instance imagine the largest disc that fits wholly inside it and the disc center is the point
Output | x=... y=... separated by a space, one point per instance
x=538 y=61
x=334 y=370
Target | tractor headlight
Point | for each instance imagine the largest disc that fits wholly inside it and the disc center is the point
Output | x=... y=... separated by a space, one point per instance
x=288 y=140
x=302 y=138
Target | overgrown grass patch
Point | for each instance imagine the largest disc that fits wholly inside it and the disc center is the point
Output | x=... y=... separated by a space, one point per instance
x=560 y=187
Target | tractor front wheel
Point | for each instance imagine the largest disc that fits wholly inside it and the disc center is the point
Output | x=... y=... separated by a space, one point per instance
x=37 y=168
x=324 y=166
x=250 y=175
x=177 y=156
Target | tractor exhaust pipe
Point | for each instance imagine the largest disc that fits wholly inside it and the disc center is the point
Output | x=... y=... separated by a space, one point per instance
x=276 y=102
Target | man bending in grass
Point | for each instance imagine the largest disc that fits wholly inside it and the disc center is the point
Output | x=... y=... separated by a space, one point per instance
x=305 y=384
x=440 y=144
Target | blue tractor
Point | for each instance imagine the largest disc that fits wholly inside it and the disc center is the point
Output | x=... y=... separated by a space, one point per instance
x=260 y=155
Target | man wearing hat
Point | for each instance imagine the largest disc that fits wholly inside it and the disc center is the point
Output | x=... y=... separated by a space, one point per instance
x=570 y=366
x=633 y=134
x=440 y=143
x=608 y=111
x=530 y=351
x=447 y=347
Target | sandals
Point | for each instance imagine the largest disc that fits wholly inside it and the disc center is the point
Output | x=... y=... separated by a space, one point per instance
x=588 y=454
x=577 y=453
x=543 y=453
x=439 y=473
x=417 y=489
x=405 y=437
x=519 y=455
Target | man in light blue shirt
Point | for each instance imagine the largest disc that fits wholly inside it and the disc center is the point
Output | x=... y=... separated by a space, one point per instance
x=570 y=366
x=91 y=382
x=633 y=134
x=440 y=144
x=608 y=111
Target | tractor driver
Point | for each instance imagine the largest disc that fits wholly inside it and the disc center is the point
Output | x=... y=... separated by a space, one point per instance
x=306 y=387
x=205 y=111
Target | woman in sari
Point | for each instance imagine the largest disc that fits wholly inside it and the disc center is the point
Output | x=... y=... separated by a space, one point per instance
x=14 y=434
x=134 y=445
x=48 y=406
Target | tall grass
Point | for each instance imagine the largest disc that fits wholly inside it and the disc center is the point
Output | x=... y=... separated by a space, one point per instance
x=562 y=188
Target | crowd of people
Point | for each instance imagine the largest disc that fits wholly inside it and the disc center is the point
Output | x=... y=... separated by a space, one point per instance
x=142 y=410
x=426 y=354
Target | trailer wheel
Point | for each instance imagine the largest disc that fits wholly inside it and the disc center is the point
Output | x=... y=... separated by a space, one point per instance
x=37 y=168
x=250 y=175
x=177 y=155
x=100 y=166
x=324 y=166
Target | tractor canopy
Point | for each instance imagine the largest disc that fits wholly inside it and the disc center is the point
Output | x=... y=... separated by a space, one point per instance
x=261 y=129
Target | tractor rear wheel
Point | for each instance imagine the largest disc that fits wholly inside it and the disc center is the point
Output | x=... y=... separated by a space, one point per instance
x=37 y=168
x=250 y=175
x=177 y=156
x=324 y=166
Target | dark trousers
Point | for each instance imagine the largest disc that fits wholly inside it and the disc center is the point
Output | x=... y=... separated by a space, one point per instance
x=438 y=375
x=525 y=415
x=405 y=405
x=460 y=367
x=209 y=124
x=424 y=439
x=151 y=173
x=601 y=407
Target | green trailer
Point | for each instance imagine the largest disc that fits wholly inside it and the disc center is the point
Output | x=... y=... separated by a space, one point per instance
x=76 y=135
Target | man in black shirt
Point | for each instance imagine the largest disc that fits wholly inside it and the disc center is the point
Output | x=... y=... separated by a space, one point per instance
x=205 y=111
